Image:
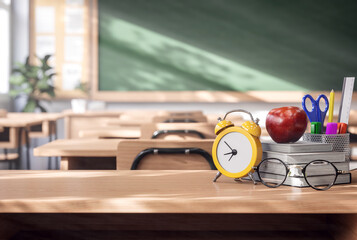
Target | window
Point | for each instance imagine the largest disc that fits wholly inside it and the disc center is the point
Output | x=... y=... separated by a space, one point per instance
x=4 y=45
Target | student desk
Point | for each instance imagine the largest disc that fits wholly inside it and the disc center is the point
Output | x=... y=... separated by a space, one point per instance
x=45 y=128
x=171 y=205
x=82 y=153
x=18 y=127
x=87 y=154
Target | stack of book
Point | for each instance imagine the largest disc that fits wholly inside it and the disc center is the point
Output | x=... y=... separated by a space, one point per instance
x=301 y=153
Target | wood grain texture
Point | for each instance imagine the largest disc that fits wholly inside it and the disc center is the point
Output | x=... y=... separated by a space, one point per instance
x=78 y=148
x=161 y=192
x=19 y=122
x=129 y=149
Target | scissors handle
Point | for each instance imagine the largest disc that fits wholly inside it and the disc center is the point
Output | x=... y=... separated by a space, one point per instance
x=322 y=114
x=312 y=115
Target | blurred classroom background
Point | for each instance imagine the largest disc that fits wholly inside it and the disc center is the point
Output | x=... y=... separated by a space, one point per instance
x=118 y=57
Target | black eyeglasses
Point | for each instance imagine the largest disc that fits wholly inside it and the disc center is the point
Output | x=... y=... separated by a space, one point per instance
x=318 y=174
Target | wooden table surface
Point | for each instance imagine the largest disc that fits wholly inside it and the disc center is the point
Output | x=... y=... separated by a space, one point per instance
x=35 y=116
x=161 y=192
x=19 y=122
x=78 y=148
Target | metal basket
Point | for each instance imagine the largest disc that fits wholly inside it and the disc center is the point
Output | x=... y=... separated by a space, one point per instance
x=340 y=142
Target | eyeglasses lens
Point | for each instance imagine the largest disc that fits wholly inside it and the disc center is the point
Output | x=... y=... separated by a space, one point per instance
x=320 y=175
x=272 y=172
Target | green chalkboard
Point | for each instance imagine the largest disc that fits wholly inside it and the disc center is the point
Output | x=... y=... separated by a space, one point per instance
x=226 y=45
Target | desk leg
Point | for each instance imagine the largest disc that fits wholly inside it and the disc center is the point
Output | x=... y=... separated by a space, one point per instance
x=19 y=149
x=49 y=167
x=64 y=163
x=55 y=138
x=27 y=140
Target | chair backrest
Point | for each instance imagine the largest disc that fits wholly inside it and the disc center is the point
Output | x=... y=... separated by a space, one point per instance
x=120 y=132
x=179 y=119
x=178 y=131
x=140 y=117
x=165 y=154
x=234 y=118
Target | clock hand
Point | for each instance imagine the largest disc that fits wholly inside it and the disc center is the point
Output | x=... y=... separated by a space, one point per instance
x=228 y=145
x=234 y=152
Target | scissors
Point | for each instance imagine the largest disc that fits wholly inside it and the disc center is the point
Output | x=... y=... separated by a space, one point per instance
x=316 y=114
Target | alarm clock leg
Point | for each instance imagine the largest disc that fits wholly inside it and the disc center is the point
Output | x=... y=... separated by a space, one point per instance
x=252 y=178
x=217 y=176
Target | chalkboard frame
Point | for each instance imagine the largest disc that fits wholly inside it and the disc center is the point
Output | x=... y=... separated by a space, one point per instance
x=183 y=96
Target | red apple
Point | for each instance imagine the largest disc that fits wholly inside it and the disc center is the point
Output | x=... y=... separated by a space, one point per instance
x=286 y=124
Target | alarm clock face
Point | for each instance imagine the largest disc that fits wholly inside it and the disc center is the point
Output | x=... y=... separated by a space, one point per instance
x=234 y=152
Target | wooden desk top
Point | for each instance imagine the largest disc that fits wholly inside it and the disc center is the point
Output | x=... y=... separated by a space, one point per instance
x=19 y=122
x=78 y=148
x=39 y=116
x=161 y=192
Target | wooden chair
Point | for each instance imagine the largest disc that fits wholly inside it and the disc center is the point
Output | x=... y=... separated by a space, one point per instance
x=119 y=132
x=181 y=118
x=165 y=154
x=183 y=131
x=148 y=116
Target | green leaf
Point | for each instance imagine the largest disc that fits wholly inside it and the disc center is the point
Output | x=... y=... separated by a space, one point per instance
x=51 y=75
x=45 y=67
x=17 y=80
x=27 y=62
x=32 y=72
x=27 y=90
x=30 y=106
x=15 y=92
x=51 y=91
x=46 y=58
x=42 y=84
x=21 y=68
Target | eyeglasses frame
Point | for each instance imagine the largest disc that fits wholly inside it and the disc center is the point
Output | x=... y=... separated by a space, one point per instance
x=338 y=172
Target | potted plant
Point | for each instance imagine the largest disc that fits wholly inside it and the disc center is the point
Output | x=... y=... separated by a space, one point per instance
x=33 y=82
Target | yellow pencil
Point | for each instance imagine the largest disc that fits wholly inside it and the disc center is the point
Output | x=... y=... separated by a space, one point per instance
x=330 y=110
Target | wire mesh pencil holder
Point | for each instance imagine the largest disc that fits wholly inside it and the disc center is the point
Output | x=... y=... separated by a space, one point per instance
x=340 y=142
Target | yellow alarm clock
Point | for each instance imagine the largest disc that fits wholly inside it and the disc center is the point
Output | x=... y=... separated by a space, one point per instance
x=236 y=150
